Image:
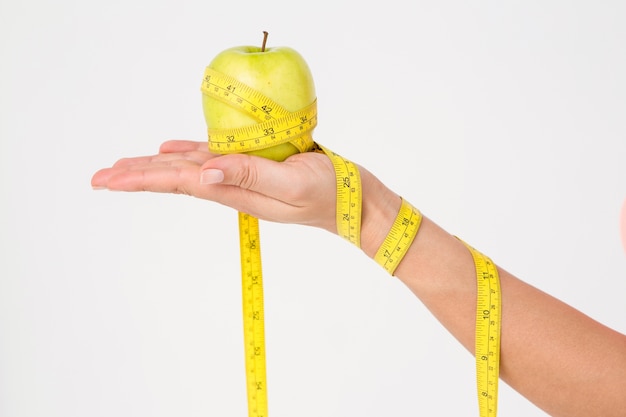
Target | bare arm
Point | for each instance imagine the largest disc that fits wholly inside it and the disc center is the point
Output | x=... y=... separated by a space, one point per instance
x=561 y=360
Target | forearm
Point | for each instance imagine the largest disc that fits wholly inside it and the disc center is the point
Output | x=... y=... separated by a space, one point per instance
x=560 y=359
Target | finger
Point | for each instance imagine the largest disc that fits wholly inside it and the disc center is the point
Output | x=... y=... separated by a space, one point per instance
x=182 y=177
x=177 y=177
x=193 y=156
x=182 y=146
x=100 y=178
x=130 y=169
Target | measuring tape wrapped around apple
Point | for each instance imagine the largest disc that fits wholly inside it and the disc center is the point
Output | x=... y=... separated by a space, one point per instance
x=262 y=102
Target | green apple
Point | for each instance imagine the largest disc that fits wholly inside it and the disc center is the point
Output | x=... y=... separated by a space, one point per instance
x=280 y=73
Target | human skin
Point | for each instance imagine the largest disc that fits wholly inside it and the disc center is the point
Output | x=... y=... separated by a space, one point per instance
x=560 y=359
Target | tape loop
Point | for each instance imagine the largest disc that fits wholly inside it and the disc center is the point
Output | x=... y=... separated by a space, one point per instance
x=275 y=126
x=400 y=237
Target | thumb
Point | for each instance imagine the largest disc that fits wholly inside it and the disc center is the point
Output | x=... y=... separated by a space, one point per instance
x=247 y=172
x=300 y=189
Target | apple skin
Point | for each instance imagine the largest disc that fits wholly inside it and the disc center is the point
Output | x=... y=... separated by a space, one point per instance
x=280 y=73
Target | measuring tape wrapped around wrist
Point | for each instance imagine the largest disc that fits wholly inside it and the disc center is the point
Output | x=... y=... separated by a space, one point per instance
x=349 y=210
x=399 y=238
x=276 y=126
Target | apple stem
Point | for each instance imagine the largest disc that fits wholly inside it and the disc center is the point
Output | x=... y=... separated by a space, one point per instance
x=264 y=41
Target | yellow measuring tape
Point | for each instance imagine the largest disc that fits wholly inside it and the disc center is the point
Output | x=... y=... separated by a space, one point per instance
x=276 y=126
x=399 y=239
x=349 y=197
x=253 y=314
x=488 y=326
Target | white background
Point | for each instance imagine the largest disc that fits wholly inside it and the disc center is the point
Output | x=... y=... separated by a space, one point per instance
x=502 y=121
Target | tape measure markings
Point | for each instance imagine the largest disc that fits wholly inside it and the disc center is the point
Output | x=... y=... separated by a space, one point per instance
x=276 y=126
x=253 y=314
x=240 y=95
x=399 y=238
x=349 y=197
x=263 y=135
x=488 y=328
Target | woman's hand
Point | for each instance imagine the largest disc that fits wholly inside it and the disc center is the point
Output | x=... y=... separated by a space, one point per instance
x=299 y=190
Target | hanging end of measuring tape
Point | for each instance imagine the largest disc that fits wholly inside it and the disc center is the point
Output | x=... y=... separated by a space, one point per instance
x=400 y=237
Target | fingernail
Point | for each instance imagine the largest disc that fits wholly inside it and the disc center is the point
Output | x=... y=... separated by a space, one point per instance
x=211 y=176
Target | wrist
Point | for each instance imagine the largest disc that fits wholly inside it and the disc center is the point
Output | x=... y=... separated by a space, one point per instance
x=379 y=210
